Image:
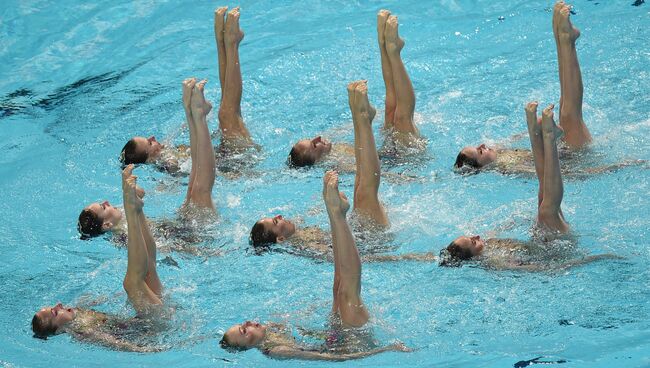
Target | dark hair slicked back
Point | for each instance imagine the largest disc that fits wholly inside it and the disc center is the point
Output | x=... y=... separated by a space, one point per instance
x=42 y=330
x=226 y=345
x=462 y=160
x=454 y=255
x=130 y=154
x=89 y=224
x=260 y=237
x=297 y=159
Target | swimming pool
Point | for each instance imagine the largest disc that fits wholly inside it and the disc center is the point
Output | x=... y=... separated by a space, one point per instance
x=78 y=80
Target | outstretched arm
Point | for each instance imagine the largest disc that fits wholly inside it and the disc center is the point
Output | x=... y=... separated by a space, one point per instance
x=286 y=352
x=561 y=266
x=347 y=282
x=111 y=342
x=417 y=257
x=139 y=293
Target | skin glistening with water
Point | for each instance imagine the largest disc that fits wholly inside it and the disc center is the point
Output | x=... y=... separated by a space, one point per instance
x=273 y=339
x=576 y=134
x=99 y=218
x=141 y=284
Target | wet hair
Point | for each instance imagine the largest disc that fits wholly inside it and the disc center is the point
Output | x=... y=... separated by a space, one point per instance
x=462 y=160
x=299 y=159
x=226 y=345
x=454 y=255
x=130 y=154
x=41 y=329
x=89 y=224
x=260 y=237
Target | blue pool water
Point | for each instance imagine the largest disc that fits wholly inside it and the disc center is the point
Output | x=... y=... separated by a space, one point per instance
x=78 y=80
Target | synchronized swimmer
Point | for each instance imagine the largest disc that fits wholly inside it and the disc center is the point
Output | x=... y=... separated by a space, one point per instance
x=347 y=338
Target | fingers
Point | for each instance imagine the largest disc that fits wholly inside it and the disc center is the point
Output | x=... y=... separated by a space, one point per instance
x=128 y=171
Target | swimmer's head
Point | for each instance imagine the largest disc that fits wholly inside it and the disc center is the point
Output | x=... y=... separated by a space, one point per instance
x=51 y=320
x=462 y=249
x=97 y=219
x=243 y=336
x=309 y=151
x=271 y=230
x=140 y=150
x=475 y=157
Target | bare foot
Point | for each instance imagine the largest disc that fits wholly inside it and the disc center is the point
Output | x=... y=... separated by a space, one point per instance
x=394 y=43
x=531 y=118
x=549 y=128
x=233 y=33
x=188 y=85
x=200 y=106
x=382 y=17
x=556 y=16
x=565 y=28
x=219 y=20
x=129 y=190
x=335 y=200
x=351 y=97
x=362 y=103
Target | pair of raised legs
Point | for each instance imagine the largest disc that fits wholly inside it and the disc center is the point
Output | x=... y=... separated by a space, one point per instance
x=141 y=281
x=202 y=174
x=543 y=141
x=400 y=97
x=576 y=134
x=347 y=301
x=368 y=173
x=228 y=35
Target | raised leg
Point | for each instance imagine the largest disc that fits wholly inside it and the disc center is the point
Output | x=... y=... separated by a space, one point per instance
x=204 y=171
x=576 y=134
x=347 y=264
x=137 y=289
x=219 y=19
x=549 y=212
x=230 y=120
x=405 y=95
x=188 y=86
x=386 y=70
x=537 y=146
x=367 y=180
x=556 y=16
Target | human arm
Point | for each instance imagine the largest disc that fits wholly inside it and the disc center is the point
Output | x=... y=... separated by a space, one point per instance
x=110 y=341
x=418 y=257
x=287 y=352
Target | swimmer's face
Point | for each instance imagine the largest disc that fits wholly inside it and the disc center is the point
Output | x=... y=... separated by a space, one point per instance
x=279 y=226
x=481 y=154
x=149 y=146
x=246 y=335
x=107 y=214
x=313 y=149
x=56 y=316
x=473 y=244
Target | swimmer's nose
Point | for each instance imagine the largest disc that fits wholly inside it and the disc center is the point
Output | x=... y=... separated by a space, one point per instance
x=106 y=204
x=475 y=237
x=152 y=139
x=317 y=139
x=278 y=217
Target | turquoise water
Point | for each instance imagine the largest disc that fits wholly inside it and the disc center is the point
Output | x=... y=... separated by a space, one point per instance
x=78 y=80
